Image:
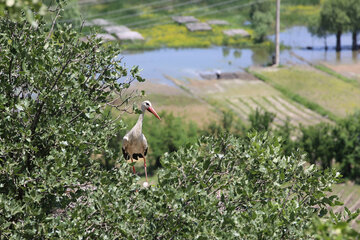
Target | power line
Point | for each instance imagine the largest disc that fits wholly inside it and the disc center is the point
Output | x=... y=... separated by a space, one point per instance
x=158 y=9
x=166 y=17
x=135 y=7
x=186 y=12
x=204 y=14
x=211 y=12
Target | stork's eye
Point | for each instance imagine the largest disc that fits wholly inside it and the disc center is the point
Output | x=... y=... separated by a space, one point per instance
x=147 y=104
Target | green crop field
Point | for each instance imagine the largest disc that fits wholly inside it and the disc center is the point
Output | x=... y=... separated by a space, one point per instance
x=333 y=94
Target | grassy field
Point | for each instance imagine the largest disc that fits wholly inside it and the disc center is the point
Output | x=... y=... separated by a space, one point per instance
x=331 y=93
x=296 y=15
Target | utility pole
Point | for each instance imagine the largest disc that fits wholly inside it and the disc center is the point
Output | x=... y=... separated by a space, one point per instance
x=277 y=35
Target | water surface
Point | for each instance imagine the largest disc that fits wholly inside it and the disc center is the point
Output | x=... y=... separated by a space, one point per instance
x=190 y=62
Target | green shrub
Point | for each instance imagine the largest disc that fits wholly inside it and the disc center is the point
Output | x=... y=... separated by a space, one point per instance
x=318 y=143
x=261 y=121
x=232 y=188
x=346 y=138
x=228 y=124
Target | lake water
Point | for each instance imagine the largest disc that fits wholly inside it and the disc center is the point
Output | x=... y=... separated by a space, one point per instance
x=300 y=39
x=190 y=62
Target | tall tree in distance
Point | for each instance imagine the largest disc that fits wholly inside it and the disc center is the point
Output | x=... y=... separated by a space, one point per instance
x=316 y=29
x=334 y=18
x=262 y=18
x=354 y=15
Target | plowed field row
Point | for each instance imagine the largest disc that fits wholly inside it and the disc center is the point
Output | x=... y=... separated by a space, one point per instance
x=283 y=109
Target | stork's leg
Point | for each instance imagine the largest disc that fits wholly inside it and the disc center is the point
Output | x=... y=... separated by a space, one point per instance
x=145 y=170
x=133 y=166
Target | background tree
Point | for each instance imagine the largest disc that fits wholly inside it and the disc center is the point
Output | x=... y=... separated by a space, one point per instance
x=334 y=18
x=262 y=18
x=354 y=15
x=316 y=28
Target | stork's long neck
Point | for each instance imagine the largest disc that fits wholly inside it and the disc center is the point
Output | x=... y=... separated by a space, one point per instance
x=139 y=122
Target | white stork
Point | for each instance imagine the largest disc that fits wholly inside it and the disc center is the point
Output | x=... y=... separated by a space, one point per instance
x=134 y=142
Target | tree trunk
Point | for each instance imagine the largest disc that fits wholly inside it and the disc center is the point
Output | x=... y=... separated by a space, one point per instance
x=338 y=41
x=325 y=42
x=354 y=41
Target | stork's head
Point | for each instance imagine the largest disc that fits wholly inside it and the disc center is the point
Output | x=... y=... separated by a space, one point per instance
x=146 y=105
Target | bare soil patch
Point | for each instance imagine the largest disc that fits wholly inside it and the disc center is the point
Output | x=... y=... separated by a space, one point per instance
x=348 y=70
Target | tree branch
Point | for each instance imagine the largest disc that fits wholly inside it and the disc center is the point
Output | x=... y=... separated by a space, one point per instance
x=53 y=23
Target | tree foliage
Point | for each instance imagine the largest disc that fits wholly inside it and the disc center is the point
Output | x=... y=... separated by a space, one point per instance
x=262 y=18
x=15 y=9
x=337 y=16
x=53 y=92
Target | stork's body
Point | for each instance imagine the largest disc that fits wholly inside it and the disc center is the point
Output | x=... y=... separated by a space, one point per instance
x=134 y=142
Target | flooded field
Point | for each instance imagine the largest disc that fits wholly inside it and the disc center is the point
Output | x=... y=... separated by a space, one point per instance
x=191 y=62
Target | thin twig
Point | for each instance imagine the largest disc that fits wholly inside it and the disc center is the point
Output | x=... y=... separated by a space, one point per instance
x=53 y=23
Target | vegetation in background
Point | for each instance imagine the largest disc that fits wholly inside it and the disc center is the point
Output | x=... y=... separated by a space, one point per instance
x=338 y=17
x=261 y=122
x=262 y=19
x=228 y=124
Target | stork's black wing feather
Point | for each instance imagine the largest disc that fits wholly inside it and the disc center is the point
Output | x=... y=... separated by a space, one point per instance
x=145 y=151
x=125 y=154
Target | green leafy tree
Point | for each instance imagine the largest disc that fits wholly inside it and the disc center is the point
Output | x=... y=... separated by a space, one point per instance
x=318 y=143
x=261 y=121
x=53 y=93
x=354 y=16
x=262 y=18
x=335 y=19
x=316 y=28
x=15 y=9
x=228 y=124
x=231 y=188
x=346 y=137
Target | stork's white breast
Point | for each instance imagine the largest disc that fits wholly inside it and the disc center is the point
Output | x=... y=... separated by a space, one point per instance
x=134 y=143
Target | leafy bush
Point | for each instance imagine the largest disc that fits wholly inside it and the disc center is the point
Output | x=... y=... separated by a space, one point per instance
x=228 y=124
x=318 y=143
x=261 y=121
x=346 y=146
x=230 y=188
x=225 y=188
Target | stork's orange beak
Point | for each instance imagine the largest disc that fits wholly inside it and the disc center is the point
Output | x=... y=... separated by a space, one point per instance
x=150 y=109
